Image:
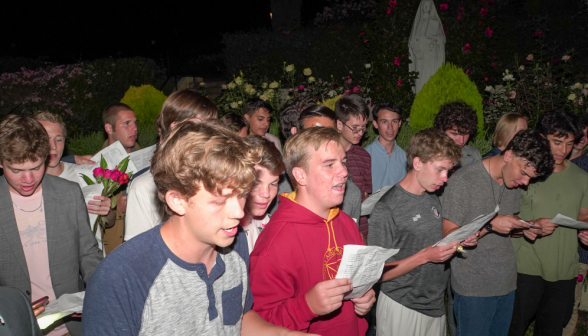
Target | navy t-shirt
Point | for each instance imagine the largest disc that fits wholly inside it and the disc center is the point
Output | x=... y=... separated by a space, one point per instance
x=142 y=288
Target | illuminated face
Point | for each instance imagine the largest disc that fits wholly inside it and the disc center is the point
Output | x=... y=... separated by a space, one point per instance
x=353 y=130
x=125 y=129
x=24 y=178
x=263 y=193
x=388 y=124
x=326 y=175
x=317 y=121
x=432 y=175
x=222 y=214
x=459 y=138
x=56 y=140
x=517 y=171
x=561 y=146
x=259 y=122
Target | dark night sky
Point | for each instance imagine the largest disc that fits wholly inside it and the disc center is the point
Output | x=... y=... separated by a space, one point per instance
x=66 y=31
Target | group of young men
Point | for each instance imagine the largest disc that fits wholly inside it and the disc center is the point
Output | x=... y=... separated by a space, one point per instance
x=209 y=249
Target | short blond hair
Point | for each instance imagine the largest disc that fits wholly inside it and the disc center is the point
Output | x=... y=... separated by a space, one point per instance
x=297 y=150
x=23 y=139
x=432 y=144
x=203 y=154
x=506 y=128
x=51 y=117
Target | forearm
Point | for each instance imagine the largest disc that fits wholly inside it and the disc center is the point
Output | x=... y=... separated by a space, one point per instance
x=398 y=268
x=254 y=325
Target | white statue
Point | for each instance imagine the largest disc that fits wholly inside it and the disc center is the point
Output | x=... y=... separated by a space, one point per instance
x=426 y=44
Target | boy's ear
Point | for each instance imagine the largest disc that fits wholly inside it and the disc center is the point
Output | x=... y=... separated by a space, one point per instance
x=294 y=130
x=176 y=202
x=375 y=123
x=300 y=175
x=508 y=156
x=246 y=116
x=339 y=126
x=417 y=164
x=108 y=128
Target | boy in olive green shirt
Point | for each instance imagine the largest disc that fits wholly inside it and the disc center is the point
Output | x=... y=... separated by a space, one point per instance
x=548 y=267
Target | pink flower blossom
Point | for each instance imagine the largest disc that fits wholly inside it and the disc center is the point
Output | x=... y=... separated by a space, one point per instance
x=489 y=32
x=460 y=10
x=468 y=72
x=466 y=48
x=377 y=88
x=483 y=12
x=98 y=172
x=348 y=81
x=107 y=173
x=565 y=58
x=538 y=33
x=115 y=174
x=494 y=65
x=346 y=92
x=397 y=61
x=399 y=82
x=301 y=87
x=479 y=23
x=122 y=179
x=580 y=278
x=443 y=7
x=530 y=57
x=361 y=33
x=512 y=95
x=365 y=41
x=356 y=89
x=486 y=79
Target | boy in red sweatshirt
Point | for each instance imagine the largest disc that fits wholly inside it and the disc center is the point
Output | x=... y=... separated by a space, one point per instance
x=296 y=258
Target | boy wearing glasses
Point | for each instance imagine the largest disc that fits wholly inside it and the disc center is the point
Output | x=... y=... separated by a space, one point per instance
x=388 y=159
x=352 y=115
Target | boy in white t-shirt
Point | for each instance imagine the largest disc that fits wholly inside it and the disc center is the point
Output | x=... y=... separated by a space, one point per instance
x=57 y=132
x=268 y=172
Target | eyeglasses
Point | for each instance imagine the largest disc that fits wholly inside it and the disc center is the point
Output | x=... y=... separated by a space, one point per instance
x=356 y=129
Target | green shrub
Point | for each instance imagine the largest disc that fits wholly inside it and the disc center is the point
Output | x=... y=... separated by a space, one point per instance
x=448 y=84
x=147 y=135
x=146 y=101
x=85 y=144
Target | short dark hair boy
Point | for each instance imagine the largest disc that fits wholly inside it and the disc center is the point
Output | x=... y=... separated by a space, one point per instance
x=460 y=122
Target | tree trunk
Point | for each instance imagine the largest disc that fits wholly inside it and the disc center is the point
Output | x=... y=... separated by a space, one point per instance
x=286 y=14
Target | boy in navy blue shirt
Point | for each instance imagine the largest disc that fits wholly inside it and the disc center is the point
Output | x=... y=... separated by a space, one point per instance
x=188 y=275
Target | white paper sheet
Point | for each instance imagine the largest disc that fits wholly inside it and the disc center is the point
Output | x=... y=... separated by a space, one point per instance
x=368 y=205
x=142 y=158
x=363 y=265
x=113 y=155
x=467 y=230
x=89 y=192
x=66 y=305
x=569 y=222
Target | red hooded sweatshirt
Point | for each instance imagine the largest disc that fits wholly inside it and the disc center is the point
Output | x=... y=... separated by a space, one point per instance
x=297 y=250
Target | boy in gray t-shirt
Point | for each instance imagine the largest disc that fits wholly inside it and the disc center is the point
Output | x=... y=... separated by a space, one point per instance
x=408 y=217
x=484 y=277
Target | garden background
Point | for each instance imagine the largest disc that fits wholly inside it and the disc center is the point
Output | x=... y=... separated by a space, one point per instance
x=528 y=56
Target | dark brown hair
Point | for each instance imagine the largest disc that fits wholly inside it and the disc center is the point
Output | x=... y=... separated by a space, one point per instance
x=23 y=139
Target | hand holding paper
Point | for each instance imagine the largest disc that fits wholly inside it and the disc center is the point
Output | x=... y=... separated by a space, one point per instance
x=363 y=265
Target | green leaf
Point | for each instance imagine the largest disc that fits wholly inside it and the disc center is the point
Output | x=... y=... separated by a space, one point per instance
x=103 y=163
x=122 y=166
x=87 y=179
